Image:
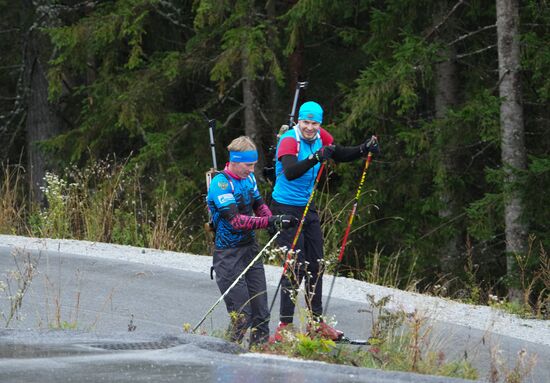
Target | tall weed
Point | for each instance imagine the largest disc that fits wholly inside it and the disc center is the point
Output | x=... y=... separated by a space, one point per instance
x=54 y=220
x=12 y=200
x=107 y=202
x=16 y=284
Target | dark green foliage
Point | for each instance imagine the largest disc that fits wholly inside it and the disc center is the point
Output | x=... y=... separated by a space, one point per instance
x=13 y=21
x=136 y=78
x=129 y=104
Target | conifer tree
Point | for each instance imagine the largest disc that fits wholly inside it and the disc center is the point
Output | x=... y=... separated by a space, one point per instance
x=245 y=56
x=135 y=77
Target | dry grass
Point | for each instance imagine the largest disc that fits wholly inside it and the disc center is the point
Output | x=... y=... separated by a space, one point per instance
x=103 y=202
x=16 y=284
x=12 y=200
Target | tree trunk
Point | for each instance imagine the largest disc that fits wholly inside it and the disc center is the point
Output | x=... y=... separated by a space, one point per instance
x=270 y=130
x=446 y=98
x=274 y=94
x=446 y=90
x=296 y=63
x=249 y=98
x=42 y=120
x=250 y=123
x=512 y=132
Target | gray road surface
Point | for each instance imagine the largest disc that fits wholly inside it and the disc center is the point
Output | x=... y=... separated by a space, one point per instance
x=101 y=296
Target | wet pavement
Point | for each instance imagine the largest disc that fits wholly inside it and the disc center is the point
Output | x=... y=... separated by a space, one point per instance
x=69 y=356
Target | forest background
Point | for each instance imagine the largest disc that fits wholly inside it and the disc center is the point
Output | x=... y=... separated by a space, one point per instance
x=104 y=108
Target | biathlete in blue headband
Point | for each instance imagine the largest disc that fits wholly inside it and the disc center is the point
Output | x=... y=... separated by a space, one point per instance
x=300 y=152
x=237 y=210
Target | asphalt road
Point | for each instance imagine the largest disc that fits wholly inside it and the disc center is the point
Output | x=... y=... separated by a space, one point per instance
x=105 y=295
x=105 y=298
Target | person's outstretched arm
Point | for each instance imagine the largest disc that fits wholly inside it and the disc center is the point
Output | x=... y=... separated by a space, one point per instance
x=292 y=168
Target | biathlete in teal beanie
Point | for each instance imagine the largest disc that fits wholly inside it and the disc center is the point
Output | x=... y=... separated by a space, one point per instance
x=300 y=151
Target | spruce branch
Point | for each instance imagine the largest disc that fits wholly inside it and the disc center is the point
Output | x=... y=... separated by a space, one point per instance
x=470 y=34
x=10 y=30
x=232 y=115
x=461 y=56
x=447 y=16
x=172 y=15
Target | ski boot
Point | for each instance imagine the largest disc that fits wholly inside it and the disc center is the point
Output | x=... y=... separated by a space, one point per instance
x=278 y=335
x=324 y=331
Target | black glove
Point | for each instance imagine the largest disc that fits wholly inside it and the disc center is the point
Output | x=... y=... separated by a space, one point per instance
x=325 y=153
x=281 y=222
x=370 y=145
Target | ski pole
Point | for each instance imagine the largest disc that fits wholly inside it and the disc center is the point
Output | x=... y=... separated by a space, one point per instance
x=235 y=281
x=297 y=235
x=350 y=221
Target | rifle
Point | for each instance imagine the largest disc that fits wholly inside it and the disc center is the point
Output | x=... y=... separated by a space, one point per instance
x=214 y=169
x=299 y=85
x=269 y=171
x=209 y=226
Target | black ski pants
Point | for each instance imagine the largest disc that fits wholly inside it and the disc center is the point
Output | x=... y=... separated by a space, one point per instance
x=308 y=266
x=246 y=302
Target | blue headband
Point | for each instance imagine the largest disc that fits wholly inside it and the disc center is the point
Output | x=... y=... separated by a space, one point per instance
x=248 y=156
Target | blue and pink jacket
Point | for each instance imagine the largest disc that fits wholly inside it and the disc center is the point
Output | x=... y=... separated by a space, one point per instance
x=233 y=203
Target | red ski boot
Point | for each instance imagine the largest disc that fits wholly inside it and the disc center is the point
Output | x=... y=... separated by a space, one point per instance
x=325 y=331
x=278 y=336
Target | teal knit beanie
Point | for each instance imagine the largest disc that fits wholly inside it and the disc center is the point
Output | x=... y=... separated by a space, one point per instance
x=311 y=111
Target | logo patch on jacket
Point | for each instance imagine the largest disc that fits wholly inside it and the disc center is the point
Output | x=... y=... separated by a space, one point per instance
x=228 y=197
x=223 y=185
